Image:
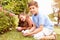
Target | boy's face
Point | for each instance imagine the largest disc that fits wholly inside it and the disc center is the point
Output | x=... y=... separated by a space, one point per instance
x=33 y=9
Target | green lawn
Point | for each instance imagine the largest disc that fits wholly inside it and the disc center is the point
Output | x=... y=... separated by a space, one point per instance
x=15 y=35
x=57 y=30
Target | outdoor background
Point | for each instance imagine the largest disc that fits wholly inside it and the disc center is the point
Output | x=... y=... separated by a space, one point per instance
x=7 y=30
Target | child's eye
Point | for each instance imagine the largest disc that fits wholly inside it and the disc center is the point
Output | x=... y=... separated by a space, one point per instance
x=33 y=8
x=30 y=8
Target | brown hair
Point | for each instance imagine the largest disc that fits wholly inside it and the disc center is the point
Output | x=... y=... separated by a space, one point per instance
x=21 y=14
x=33 y=3
x=26 y=22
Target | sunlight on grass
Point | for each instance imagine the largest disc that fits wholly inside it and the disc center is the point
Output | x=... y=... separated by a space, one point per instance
x=14 y=35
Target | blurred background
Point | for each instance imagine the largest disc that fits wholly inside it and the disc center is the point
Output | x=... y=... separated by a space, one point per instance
x=50 y=8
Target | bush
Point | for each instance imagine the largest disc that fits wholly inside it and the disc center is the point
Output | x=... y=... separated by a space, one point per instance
x=7 y=22
x=16 y=6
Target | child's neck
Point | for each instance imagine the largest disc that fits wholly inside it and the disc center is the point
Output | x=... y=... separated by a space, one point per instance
x=36 y=14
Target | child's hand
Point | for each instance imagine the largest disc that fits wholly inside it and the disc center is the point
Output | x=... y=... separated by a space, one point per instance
x=19 y=28
x=26 y=32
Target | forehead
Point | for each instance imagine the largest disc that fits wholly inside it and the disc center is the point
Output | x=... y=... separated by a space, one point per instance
x=22 y=16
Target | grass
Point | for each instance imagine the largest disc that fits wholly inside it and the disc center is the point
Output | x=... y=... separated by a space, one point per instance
x=15 y=35
x=57 y=30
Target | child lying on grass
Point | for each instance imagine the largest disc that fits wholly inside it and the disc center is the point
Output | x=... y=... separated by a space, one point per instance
x=24 y=22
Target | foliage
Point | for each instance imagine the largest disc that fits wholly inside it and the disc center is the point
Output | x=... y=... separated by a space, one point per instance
x=51 y=16
x=16 y=6
x=7 y=22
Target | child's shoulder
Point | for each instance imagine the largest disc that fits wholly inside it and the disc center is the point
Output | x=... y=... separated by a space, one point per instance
x=42 y=15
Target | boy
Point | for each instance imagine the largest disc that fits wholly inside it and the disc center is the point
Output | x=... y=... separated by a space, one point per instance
x=42 y=25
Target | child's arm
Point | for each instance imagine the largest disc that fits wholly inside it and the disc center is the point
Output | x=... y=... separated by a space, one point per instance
x=23 y=28
x=37 y=30
x=32 y=28
x=34 y=31
x=29 y=21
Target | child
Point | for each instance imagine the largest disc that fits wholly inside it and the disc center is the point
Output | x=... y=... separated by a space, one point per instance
x=24 y=22
x=42 y=25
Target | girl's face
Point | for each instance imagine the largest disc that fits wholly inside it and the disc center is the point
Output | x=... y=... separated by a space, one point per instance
x=22 y=17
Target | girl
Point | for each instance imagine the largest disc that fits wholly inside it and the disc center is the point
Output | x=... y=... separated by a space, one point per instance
x=25 y=22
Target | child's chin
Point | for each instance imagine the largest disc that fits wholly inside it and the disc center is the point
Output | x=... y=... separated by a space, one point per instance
x=23 y=20
x=35 y=14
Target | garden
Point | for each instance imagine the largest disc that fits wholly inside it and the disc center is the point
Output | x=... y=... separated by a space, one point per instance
x=8 y=22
